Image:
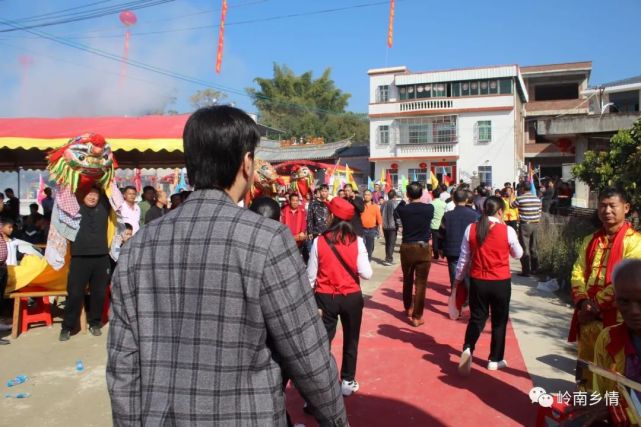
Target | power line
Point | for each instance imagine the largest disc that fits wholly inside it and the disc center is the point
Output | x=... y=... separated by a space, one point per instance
x=162 y=71
x=98 y=13
x=245 y=22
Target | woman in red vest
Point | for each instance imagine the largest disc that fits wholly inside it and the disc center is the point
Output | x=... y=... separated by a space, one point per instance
x=485 y=254
x=337 y=261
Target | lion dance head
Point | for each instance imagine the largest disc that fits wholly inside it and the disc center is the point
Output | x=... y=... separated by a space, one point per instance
x=85 y=161
x=265 y=179
x=302 y=180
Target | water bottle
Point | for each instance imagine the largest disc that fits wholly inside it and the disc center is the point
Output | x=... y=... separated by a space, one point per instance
x=79 y=366
x=17 y=380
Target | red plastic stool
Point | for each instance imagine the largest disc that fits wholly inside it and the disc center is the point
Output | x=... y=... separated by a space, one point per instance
x=105 y=307
x=559 y=412
x=40 y=312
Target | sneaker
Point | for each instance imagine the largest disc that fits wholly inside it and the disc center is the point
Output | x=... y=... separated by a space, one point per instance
x=349 y=387
x=387 y=263
x=95 y=331
x=65 y=334
x=4 y=341
x=465 y=364
x=494 y=366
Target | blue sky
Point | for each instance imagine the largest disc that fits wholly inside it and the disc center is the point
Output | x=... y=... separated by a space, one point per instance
x=428 y=36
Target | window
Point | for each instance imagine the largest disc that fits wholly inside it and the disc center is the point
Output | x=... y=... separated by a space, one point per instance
x=485 y=130
x=439 y=90
x=456 y=89
x=394 y=175
x=494 y=87
x=553 y=92
x=383 y=135
x=383 y=94
x=505 y=86
x=419 y=175
x=428 y=130
x=485 y=175
x=485 y=87
x=419 y=133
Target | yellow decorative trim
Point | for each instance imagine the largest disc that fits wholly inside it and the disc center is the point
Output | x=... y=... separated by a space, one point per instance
x=126 y=144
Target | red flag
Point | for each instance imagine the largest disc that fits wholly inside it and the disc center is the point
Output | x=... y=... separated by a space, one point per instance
x=388 y=182
x=390 y=28
x=221 y=37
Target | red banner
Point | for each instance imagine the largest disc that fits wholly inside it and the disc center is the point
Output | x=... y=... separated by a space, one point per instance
x=221 y=37
x=390 y=29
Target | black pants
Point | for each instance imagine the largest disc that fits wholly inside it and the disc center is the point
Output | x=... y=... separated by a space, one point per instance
x=489 y=296
x=436 y=243
x=93 y=270
x=350 y=310
x=369 y=236
x=390 y=244
x=529 y=236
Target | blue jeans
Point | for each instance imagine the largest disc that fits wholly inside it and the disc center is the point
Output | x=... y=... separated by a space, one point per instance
x=369 y=236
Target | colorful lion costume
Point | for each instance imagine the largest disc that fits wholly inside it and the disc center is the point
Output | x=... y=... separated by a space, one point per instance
x=84 y=162
x=302 y=181
x=266 y=181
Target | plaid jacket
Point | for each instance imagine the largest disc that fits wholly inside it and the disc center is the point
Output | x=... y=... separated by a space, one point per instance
x=197 y=296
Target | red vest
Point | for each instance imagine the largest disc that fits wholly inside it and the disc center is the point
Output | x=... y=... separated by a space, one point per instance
x=492 y=260
x=332 y=277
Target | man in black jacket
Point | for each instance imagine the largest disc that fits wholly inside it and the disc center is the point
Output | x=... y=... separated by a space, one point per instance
x=454 y=224
x=89 y=264
x=359 y=205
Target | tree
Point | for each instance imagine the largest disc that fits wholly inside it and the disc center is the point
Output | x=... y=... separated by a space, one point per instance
x=306 y=107
x=206 y=98
x=620 y=166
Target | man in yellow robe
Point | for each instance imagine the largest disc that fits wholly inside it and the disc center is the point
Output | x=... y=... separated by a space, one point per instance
x=592 y=290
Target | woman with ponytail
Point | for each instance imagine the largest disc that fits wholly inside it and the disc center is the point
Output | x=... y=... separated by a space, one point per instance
x=485 y=256
x=337 y=261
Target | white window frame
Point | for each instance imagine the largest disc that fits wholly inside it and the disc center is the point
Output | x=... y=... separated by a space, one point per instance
x=479 y=127
x=380 y=135
x=383 y=93
x=485 y=171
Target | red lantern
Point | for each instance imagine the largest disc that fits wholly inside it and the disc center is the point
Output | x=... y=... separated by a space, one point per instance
x=423 y=165
x=394 y=166
x=128 y=18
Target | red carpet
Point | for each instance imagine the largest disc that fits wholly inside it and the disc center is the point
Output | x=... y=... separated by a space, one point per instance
x=408 y=376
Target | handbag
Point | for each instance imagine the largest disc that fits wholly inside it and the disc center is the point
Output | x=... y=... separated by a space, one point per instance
x=354 y=275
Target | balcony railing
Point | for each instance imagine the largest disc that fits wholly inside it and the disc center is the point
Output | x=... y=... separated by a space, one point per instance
x=438 y=149
x=435 y=104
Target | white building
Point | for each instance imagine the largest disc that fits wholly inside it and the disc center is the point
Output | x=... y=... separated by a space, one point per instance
x=467 y=122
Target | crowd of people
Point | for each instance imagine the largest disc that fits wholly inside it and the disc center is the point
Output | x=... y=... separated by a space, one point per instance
x=252 y=295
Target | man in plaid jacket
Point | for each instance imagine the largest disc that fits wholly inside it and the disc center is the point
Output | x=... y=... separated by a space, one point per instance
x=204 y=299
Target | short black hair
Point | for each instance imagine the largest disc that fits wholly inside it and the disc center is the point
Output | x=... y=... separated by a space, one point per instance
x=267 y=207
x=348 y=185
x=429 y=187
x=184 y=195
x=436 y=193
x=215 y=140
x=33 y=205
x=606 y=193
x=414 y=190
x=131 y=187
x=145 y=188
x=128 y=226
x=175 y=196
x=323 y=187
x=391 y=194
x=293 y=195
x=1 y=195
x=460 y=196
x=47 y=191
x=5 y=220
x=8 y=190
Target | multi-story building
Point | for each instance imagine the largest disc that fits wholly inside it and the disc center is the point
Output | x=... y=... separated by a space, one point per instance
x=467 y=123
x=554 y=90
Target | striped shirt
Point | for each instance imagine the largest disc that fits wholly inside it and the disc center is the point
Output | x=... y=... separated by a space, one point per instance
x=529 y=207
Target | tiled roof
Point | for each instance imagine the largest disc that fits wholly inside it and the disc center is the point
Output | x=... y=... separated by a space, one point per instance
x=301 y=152
x=557 y=67
x=355 y=151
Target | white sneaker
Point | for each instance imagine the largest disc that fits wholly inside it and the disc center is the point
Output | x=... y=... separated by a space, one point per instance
x=465 y=364
x=494 y=366
x=349 y=387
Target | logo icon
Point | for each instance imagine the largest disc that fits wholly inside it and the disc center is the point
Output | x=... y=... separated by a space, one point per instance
x=540 y=396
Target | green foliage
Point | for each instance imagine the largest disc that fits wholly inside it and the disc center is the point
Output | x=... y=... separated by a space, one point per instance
x=559 y=243
x=306 y=107
x=620 y=166
x=206 y=98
